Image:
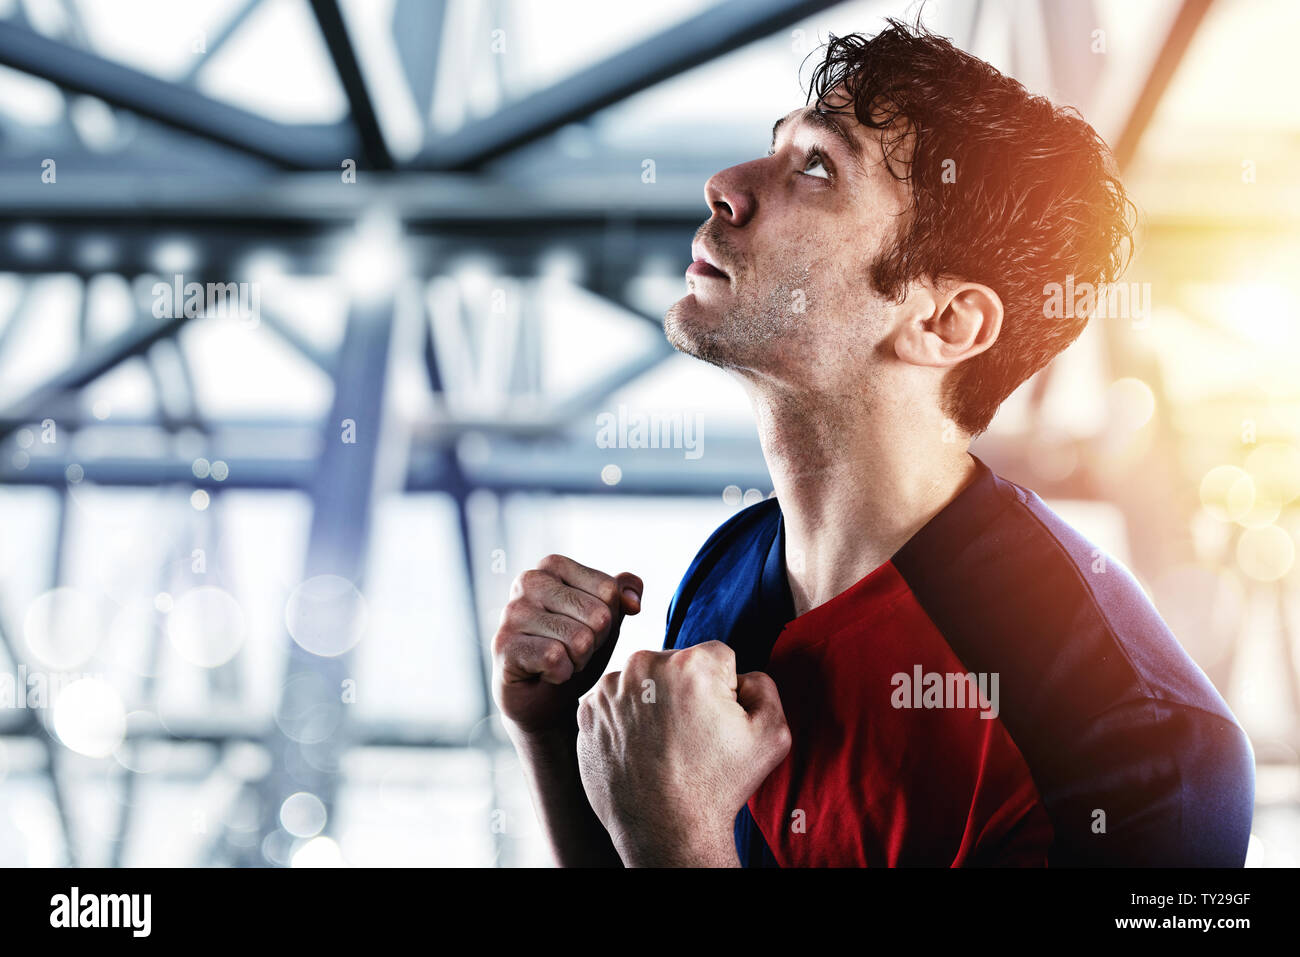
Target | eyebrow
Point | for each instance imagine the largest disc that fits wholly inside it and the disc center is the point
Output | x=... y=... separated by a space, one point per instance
x=826 y=122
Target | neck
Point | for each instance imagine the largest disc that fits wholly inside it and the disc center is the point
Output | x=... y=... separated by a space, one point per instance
x=855 y=482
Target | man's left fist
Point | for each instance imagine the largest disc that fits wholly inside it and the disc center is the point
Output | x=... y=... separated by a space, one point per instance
x=671 y=747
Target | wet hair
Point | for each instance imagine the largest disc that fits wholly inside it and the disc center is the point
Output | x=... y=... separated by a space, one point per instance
x=1007 y=190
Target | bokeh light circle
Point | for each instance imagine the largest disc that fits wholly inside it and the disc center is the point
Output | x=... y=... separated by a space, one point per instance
x=302 y=814
x=326 y=615
x=63 y=628
x=1266 y=553
x=1131 y=403
x=89 y=717
x=1275 y=469
x=206 y=626
x=143 y=755
x=318 y=852
x=1227 y=493
x=309 y=710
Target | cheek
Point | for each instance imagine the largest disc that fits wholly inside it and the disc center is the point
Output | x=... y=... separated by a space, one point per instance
x=788 y=260
x=810 y=265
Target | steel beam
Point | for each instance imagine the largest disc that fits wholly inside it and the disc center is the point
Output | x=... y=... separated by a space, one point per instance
x=343 y=488
x=87 y=368
x=294 y=147
x=1181 y=31
x=418 y=34
x=706 y=36
x=330 y=19
x=219 y=39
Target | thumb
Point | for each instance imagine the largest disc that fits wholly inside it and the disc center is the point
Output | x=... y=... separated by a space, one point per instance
x=756 y=693
x=627 y=603
x=630 y=588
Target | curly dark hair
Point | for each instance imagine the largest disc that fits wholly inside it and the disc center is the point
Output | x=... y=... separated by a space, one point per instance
x=1036 y=196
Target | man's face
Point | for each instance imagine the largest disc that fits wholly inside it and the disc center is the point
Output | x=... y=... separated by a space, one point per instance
x=795 y=233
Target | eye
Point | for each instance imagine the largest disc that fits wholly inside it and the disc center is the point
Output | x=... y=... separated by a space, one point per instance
x=815 y=162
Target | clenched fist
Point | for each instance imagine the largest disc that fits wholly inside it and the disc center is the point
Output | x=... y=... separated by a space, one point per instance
x=672 y=747
x=556 y=636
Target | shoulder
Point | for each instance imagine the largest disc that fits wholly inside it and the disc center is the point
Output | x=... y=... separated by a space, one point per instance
x=1007 y=579
x=1109 y=711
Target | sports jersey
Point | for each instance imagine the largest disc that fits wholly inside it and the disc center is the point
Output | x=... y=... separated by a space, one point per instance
x=1000 y=692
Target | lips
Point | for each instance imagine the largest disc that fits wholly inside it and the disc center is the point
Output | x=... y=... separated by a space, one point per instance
x=705 y=262
x=703 y=268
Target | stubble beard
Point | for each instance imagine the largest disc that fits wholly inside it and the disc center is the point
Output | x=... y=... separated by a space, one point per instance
x=749 y=326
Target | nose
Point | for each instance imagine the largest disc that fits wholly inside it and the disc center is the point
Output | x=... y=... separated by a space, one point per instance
x=729 y=197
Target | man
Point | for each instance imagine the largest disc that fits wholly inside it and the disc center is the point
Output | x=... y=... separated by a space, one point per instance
x=902 y=658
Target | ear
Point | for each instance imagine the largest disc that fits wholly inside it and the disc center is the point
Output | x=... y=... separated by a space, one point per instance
x=949 y=326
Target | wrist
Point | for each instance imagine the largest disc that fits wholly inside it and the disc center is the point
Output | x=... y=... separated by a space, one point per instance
x=544 y=738
x=549 y=751
x=703 y=846
x=549 y=760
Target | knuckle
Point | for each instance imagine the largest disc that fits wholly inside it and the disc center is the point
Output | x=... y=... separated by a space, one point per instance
x=765 y=686
x=722 y=649
x=682 y=663
x=551 y=562
x=608 y=685
x=533 y=579
x=640 y=661
x=782 y=740
x=607 y=591
x=583 y=641
x=553 y=655
x=700 y=676
x=601 y=618
x=694 y=658
x=515 y=614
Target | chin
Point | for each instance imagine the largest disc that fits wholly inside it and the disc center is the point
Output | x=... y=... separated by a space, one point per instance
x=692 y=331
x=686 y=323
x=681 y=322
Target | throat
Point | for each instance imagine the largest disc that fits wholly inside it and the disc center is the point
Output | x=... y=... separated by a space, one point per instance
x=814 y=585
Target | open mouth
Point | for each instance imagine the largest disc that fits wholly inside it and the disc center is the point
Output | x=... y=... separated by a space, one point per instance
x=705 y=262
x=702 y=267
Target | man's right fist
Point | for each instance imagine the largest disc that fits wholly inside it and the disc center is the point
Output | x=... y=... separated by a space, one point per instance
x=556 y=636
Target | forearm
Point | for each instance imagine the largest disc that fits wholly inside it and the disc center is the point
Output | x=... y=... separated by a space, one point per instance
x=550 y=763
